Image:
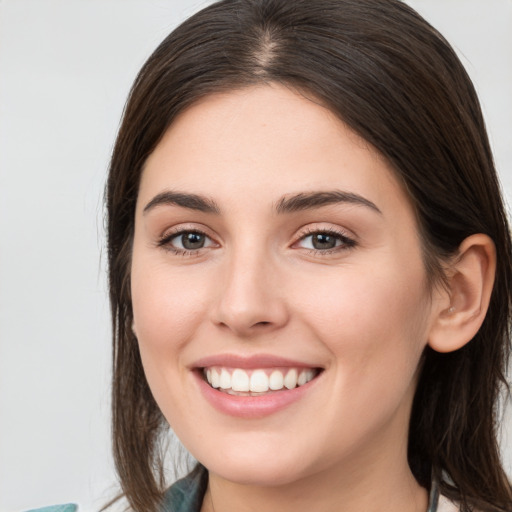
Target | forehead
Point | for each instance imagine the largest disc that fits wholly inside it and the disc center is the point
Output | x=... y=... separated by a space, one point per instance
x=265 y=141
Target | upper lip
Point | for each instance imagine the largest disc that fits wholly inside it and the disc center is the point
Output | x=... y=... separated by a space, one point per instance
x=250 y=362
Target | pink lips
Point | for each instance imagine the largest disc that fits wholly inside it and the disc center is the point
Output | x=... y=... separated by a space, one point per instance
x=250 y=406
x=256 y=361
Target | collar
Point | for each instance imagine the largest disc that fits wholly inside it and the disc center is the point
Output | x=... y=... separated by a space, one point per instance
x=186 y=495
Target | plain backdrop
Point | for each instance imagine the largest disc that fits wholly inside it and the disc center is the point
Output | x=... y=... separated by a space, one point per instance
x=65 y=70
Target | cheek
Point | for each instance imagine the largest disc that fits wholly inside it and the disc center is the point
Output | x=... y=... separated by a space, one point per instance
x=167 y=305
x=168 y=308
x=375 y=330
x=371 y=321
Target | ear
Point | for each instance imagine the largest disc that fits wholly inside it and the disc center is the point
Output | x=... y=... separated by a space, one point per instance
x=462 y=308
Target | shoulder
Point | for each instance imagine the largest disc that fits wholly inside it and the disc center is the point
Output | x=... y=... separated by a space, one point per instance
x=69 y=507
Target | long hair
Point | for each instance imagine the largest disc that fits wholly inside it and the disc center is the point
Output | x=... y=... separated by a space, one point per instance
x=394 y=80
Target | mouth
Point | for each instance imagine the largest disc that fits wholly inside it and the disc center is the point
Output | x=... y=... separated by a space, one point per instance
x=257 y=381
x=253 y=387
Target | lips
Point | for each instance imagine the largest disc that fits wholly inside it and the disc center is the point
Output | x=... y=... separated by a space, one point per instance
x=256 y=386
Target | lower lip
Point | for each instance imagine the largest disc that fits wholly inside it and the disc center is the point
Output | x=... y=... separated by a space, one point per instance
x=252 y=406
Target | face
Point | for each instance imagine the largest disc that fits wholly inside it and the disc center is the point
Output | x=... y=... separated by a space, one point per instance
x=280 y=300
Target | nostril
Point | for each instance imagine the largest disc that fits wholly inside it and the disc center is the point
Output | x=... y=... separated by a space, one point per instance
x=249 y=314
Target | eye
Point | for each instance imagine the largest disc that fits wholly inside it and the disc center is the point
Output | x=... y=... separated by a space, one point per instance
x=186 y=242
x=325 y=241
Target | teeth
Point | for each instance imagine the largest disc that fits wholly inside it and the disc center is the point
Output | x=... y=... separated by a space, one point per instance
x=276 y=380
x=290 y=381
x=214 y=378
x=239 y=381
x=257 y=381
x=305 y=376
x=225 y=379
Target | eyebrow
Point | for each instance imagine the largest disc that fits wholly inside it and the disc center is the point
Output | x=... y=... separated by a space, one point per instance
x=312 y=200
x=289 y=204
x=190 y=201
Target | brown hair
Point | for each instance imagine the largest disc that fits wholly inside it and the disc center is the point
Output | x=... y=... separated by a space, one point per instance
x=395 y=81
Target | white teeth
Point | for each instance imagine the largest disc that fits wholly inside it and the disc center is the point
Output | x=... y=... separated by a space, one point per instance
x=305 y=376
x=214 y=378
x=257 y=381
x=276 y=380
x=240 y=381
x=225 y=379
x=290 y=381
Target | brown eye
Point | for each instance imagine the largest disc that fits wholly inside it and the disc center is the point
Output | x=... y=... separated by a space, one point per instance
x=192 y=240
x=186 y=242
x=322 y=241
x=325 y=241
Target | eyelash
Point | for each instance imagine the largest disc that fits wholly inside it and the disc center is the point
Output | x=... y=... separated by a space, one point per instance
x=346 y=242
x=165 y=242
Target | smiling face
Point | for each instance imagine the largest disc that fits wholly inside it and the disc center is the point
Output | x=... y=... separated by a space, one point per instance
x=275 y=251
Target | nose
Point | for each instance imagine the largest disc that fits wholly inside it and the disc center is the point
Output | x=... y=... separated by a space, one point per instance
x=251 y=297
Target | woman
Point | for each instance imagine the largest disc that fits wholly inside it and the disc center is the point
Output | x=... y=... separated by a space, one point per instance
x=309 y=266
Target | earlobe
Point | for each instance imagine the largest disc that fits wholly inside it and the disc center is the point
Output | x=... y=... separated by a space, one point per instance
x=469 y=287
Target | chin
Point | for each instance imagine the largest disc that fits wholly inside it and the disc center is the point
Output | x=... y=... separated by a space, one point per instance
x=268 y=475
x=268 y=467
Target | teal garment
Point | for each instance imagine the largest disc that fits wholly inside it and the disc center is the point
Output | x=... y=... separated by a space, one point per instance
x=69 y=507
x=186 y=495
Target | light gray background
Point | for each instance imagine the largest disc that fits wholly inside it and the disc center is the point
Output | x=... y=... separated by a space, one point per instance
x=65 y=70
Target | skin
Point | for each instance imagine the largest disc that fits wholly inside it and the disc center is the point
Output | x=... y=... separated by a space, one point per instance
x=362 y=312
